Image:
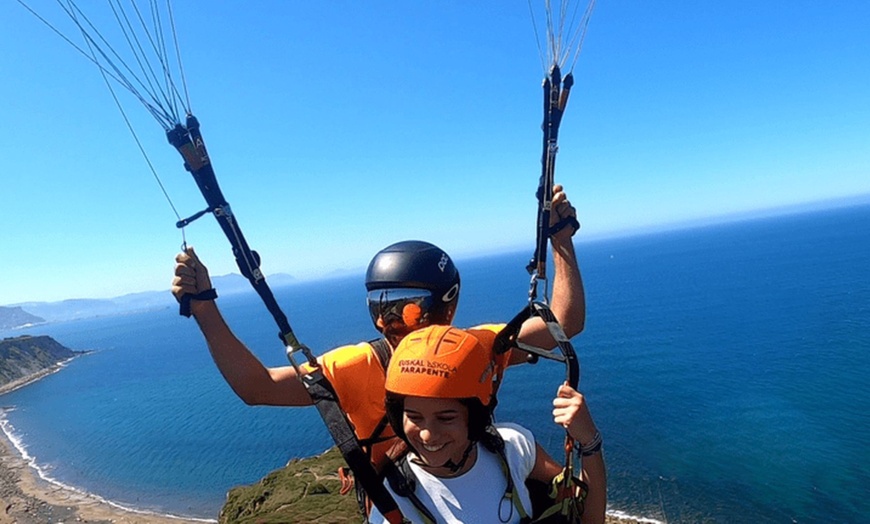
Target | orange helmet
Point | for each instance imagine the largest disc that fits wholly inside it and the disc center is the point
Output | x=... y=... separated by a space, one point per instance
x=445 y=362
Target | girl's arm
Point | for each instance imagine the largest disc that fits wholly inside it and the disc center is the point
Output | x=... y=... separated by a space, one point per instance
x=571 y=412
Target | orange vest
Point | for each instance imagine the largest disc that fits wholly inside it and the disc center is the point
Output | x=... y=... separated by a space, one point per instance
x=356 y=374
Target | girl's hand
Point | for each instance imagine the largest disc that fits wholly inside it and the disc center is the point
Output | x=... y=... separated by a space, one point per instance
x=570 y=412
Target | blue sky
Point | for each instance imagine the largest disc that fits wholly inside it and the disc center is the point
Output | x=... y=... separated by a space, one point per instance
x=337 y=128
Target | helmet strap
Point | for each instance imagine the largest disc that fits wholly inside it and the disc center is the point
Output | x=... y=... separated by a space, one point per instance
x=450 y=465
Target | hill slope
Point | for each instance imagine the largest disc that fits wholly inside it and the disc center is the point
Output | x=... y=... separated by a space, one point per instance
x=13 y=317
x=24 y=356
x=306 y=490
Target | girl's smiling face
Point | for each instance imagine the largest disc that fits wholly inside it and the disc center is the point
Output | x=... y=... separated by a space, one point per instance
x=437 y=429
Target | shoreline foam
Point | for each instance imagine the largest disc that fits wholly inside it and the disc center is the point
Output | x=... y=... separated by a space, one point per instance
x=30 y=496
x=33 y=377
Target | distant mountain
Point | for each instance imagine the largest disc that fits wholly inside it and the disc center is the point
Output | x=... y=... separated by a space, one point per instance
x=234 y=283
x=230 y=284
x=24 y=356
x=13 y=317
x=24 y=313
x=281 y=279
x=78 y=308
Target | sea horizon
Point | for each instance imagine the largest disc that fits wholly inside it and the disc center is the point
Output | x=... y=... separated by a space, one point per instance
x=701 y=352
x=762 y=213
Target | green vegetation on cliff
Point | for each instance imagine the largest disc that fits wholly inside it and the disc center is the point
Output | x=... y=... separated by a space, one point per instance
x=27 y=355
x=306 y=490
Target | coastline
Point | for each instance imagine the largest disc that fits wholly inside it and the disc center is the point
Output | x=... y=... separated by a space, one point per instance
x=26 y=498
x=29 y=379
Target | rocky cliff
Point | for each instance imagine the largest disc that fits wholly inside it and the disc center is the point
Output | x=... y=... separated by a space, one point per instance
x=304 y=491
x=27 y=355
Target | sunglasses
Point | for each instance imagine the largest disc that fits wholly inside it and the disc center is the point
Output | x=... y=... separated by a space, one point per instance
x=406 y=305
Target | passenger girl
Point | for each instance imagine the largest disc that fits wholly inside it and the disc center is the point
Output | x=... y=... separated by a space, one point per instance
x=461 y=467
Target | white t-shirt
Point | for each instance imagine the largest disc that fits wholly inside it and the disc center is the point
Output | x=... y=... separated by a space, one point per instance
x=476 y=496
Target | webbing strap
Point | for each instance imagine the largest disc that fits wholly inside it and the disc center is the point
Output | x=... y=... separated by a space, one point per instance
x=511 y=494
x=562 y=224
x=188 y=141
x=556 y=91
x=507 y=339
x=569 y=495
x=190 y=144
x=381 y=349
x=404 y=483
x=326 y=401
x=184 y=306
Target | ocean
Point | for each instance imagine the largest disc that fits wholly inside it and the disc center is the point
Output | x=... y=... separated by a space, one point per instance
x=726 y=365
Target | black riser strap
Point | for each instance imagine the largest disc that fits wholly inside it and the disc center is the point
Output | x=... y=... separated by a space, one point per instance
x=507 y=338
x=340 y=429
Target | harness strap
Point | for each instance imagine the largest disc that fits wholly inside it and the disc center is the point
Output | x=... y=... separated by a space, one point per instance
x=326 y=401
x=511 y=493
x=404 y=484
x=569 y=497
x=188 y=141
x=565 y=484
x=382 y=351
x=507 y=339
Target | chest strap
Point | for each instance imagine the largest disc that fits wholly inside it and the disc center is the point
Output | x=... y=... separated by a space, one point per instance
x=404 y=483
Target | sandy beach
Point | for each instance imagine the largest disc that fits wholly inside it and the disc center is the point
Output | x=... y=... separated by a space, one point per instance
x=27 y=499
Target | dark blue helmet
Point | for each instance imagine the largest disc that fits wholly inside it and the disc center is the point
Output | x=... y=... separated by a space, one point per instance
x=413 y=265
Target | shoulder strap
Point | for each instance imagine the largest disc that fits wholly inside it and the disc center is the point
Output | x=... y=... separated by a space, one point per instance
x=324 y=398
x=382 y=351
x=404 y=484
x=496 y=444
